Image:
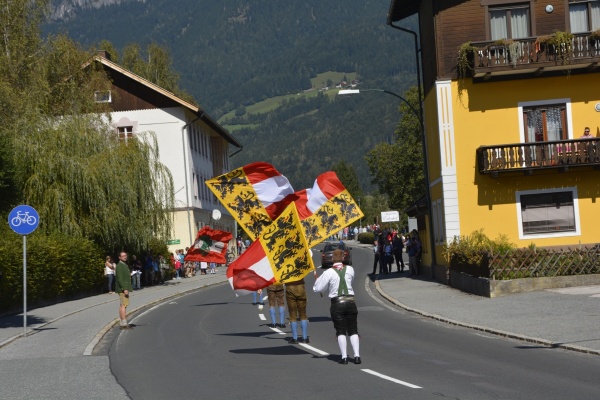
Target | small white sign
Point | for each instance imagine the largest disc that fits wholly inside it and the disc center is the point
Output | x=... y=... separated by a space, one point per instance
x=390 y=216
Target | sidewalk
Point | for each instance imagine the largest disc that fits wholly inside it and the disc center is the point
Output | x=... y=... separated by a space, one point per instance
x=567 y=318
x=54 y=355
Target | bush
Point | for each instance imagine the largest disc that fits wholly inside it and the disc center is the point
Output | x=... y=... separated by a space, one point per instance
x=366 y=238
x=470 y=253
x=58 y=266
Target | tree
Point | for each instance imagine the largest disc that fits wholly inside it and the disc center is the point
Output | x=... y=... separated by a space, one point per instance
x=158 y=67
x=60 y=154
x=86 y=183
x=397 y=168
x=347 y=175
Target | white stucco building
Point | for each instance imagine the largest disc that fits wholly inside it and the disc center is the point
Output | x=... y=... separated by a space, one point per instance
x=191 y=144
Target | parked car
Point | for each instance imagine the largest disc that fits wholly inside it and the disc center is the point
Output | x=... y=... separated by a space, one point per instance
x=327 y=254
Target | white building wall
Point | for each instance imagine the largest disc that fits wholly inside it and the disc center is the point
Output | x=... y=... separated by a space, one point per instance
x=193 y=207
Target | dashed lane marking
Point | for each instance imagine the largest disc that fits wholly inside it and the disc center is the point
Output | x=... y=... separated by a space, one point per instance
x=389 y=378
x=313 y=349
x=262 y=317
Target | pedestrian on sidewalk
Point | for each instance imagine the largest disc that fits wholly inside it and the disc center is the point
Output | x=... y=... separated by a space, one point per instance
x=398 y=246
x=413 y=248
x=376 y=254
x=389 y=256
x=123 y=288
x=337 y=281
x=109 y=271
x=136 y=273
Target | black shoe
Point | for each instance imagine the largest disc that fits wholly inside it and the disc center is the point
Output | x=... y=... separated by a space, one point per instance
x=253 y=304
x=293 y=341
x=343 y=361
x=272 y=325
x=302 y=340
x=281 y=325
x=357 y=360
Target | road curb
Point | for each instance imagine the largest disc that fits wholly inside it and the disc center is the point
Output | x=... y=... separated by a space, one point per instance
x=33 y=331
x=89 y=349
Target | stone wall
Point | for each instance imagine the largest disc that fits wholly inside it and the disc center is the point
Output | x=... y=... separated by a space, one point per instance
x=495 y=288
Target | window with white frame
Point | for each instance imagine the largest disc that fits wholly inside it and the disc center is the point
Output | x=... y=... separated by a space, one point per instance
x=584 y=15
x=510 y=21
x=548 y=212
x=545 y=120
x=125 y=133
x=195 y=180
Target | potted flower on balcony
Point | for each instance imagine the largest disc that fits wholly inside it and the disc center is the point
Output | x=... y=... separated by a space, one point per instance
x=594 y=37
x=466 y=60
x=563 y=46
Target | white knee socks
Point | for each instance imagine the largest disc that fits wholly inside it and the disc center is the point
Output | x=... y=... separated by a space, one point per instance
x=342 y=343
x=355 y=345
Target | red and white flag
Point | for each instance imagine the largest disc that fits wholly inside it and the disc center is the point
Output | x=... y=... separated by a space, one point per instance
x=210 y=246
x=255 y=195
x=280 y=254
x=326 y=208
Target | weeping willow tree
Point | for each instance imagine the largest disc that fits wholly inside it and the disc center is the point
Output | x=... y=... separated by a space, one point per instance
x=60 y=153
x=85 y=182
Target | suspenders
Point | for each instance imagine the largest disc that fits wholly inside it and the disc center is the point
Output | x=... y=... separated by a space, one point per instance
x=343 y=287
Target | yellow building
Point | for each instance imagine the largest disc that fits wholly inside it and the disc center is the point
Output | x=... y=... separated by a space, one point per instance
x=504 y=117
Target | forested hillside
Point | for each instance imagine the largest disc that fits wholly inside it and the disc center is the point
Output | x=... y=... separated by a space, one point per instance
x=232 y=53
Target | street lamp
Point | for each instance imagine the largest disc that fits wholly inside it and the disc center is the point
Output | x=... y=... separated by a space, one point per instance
x=360 y=222
x=419 y=116
x=357 y=91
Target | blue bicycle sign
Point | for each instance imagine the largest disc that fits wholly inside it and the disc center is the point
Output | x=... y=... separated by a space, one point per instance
x=23 y=219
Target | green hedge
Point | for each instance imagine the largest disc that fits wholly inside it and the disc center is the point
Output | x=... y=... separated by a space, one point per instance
x=58 y=267
x=366 y=238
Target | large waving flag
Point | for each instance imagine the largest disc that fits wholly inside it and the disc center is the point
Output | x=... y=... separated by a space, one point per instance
x=326 y=208
x=280 y=254
x=255 y=195
x=210 y=246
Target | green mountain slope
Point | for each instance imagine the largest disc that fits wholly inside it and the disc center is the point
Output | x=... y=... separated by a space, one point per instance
x=232 y=53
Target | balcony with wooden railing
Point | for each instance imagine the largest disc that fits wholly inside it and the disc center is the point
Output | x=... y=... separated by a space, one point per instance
x=536 y=55
x=561 y=155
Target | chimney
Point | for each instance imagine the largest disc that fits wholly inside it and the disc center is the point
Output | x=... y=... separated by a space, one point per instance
x=104 y=54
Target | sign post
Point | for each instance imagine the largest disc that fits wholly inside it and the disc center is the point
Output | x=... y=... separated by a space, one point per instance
x=23 y=220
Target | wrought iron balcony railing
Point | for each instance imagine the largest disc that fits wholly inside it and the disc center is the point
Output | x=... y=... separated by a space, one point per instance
x=527 y=157
x=536 y=53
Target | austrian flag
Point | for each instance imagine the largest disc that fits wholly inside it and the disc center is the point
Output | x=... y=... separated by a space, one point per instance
x=210 y=246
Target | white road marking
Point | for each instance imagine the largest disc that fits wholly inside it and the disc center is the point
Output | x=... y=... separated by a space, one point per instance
x=410 y=385
x=277 y=330
x=314 y=349
x=262 y=317
x=147 y=311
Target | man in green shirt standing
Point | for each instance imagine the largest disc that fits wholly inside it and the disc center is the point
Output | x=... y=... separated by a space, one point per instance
x=123 y=287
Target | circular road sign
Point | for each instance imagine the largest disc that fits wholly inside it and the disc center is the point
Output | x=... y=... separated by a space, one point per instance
x=23 y=219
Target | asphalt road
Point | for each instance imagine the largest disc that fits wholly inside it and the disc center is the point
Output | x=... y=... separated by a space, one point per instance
x=211 y=344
